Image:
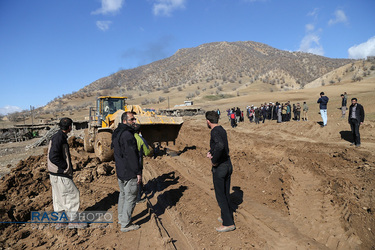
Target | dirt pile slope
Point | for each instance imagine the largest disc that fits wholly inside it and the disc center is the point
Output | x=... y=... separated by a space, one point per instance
x=295 y=185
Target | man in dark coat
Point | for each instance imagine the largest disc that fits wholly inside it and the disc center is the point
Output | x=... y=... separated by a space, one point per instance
x=238 y=115
x=221 y=170
x=128 y=169
x=356 y=118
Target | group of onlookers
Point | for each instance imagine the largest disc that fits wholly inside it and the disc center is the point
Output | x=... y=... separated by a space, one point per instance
x=281 y=112
x=235 y=115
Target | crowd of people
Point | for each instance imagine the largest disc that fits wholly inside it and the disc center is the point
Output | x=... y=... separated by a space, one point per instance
x=280 y=112
x=285 y=112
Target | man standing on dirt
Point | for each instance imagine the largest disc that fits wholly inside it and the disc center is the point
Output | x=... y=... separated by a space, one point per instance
x=289 y=111
x=305 y=110
x=238 y=115
x=323 y=101
x=65 y=194
x=343 y=105
x=356 y=118
x=298 y=112
x=221 y=170
x=128 y=169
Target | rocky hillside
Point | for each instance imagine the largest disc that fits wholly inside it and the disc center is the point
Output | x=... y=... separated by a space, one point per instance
x=208 y=71
x=222 y=62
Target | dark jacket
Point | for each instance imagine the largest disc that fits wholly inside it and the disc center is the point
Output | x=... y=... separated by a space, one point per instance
x=257 y=113
x=126 y=153
x=219 y=148
x=343 y=102
x=323 y=102
x=264 y=111
x=359 y=113
x=238 y=112
x=59 y=162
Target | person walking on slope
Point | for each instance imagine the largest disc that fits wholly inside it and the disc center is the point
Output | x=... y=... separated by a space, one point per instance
x=221 y=170
x=323 y=101
x=128 y=169
x=356 y=118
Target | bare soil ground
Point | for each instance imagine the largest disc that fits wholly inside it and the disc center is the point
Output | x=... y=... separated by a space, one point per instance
x=295 y=185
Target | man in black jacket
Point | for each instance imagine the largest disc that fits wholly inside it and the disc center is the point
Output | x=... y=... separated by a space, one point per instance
x=356 y=118
x=323 y=101
x=128 y=169
x=65 y=194
x=221 y=170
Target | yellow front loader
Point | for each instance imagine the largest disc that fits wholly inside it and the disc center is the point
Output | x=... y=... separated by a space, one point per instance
x=104 y=119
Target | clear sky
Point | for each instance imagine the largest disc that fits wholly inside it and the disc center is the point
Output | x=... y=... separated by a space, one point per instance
x=53 y=47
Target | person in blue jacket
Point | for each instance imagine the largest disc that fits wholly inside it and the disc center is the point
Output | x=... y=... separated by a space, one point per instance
x=323 y=101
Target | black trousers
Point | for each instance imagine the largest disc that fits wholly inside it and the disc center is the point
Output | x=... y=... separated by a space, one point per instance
x=354 y=125
x=221 y=179
x=233 y=122
x=298 y=115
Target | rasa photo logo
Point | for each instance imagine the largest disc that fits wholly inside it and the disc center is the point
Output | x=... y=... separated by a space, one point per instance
x=67 y=217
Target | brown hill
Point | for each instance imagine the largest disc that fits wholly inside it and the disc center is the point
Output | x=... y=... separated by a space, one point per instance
x=207 y=73
x=222 y=62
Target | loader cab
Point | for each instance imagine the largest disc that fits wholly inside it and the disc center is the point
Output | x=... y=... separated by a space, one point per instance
x=107 y=106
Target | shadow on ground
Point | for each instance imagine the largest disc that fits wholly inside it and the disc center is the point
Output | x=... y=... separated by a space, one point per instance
x=346 y=135
x=236 y=197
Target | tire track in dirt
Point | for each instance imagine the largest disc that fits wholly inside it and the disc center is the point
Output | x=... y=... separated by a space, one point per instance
x=168 y=225
x=276 y=230
x=193 y=224
x=313 y=213
x=280 y=231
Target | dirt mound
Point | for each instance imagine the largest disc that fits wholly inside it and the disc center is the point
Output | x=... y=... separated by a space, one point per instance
x=19 y=191
x=295 y=185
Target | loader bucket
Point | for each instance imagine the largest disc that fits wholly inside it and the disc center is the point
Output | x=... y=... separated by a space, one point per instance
x=154 y=128
x=159 y=128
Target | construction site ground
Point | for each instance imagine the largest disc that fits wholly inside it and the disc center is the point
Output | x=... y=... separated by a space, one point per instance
x=295 y=185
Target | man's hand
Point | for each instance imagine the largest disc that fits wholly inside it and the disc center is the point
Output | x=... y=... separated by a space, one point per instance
x=209 y=156
x=361 y=123
x=139 y=179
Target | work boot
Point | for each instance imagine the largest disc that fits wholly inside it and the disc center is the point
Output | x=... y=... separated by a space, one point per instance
x=129 y=227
